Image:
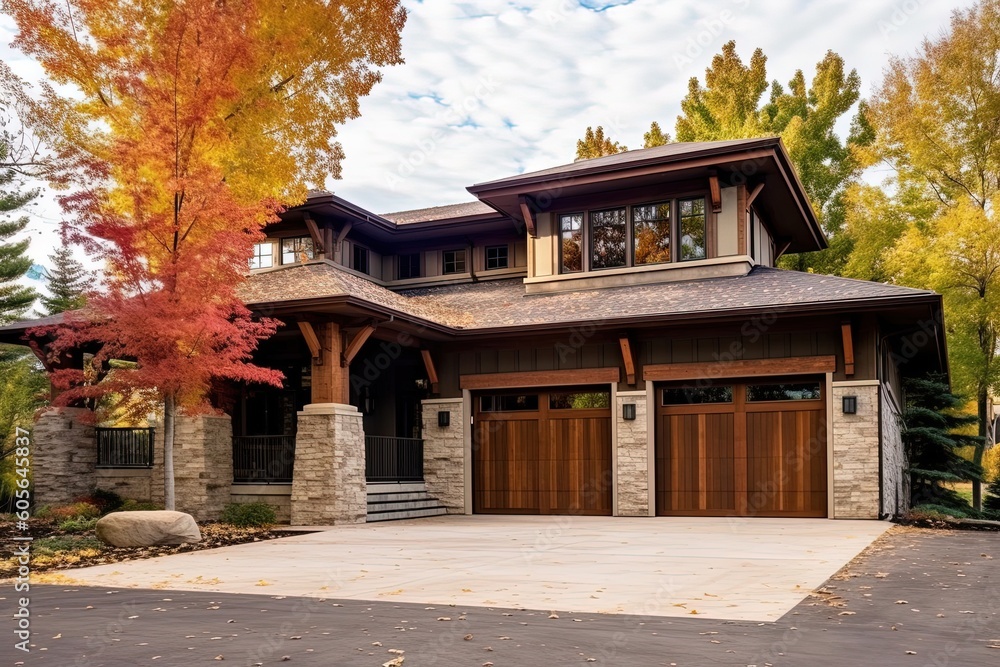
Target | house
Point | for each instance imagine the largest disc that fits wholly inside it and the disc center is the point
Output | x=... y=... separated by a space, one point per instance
x=608 y=337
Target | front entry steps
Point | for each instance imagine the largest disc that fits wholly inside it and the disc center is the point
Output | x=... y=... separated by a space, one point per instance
x=390 y=502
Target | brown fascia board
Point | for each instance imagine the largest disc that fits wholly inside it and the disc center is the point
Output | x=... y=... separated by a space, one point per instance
x=799 y=193
x=519 y=184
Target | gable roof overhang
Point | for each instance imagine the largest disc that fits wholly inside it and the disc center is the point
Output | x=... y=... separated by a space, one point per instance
x=751 y=162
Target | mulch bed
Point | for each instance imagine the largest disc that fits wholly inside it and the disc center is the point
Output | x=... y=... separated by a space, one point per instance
x=53 y=549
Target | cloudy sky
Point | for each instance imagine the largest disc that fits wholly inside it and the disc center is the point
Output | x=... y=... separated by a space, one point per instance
x=492 y=88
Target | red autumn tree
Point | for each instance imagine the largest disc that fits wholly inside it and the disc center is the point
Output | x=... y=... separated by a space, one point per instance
x=177 y=128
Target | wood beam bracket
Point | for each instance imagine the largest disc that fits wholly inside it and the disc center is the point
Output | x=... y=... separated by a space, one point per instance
x=847 y=336
x=432 y=375
x=628 y=356
x=315 y=233
x=341 y=235
x=354 y=346
x=312 y=340
x=753 y=193
x=528 y=213
x=716 y=191
x=782 y=243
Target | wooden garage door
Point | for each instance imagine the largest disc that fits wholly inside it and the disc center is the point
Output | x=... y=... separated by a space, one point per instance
x=542 y=452
x=753 y=448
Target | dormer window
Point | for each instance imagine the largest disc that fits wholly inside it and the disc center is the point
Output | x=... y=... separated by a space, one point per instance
x=263 y=255
x=297 y=249
x=636 y=235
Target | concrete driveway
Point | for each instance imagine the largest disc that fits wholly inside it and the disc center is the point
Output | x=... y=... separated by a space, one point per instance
x=754 y=569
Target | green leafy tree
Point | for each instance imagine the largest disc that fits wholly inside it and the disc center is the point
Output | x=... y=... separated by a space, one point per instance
x=67 y=282
x=730 y=106
x=932 y=423
x=596 y=144
x=937 y=121
x=655 y=136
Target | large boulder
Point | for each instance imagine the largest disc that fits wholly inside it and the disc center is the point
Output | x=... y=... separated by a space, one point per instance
x=146 y=529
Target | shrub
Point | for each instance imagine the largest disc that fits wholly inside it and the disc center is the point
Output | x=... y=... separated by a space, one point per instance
x=992 y=500
x=106 y=501
x=248 y=515
x=46 y=546
x=77 y=525
x=76 y=510
x=130 y=505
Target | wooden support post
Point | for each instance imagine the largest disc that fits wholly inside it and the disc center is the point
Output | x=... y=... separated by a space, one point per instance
x=741 y=220
x=716 y=191
x=431 y=370
x=529 y=215
x=357 y=341
x=330 y=381
x=629 y=359
x=846 y=335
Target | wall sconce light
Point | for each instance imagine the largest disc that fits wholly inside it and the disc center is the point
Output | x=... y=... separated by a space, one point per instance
x=628 y=411
x=367 y=403
x=850 y=405
x=421 y=383
x=444 y=419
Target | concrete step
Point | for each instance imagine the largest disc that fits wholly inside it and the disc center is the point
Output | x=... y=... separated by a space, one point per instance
x=396 y=487
x=383 y=497
x=396 y=515
x=389 y=505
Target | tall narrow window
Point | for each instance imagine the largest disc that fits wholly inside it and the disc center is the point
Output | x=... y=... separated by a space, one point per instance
x=263 y=256
x=361 y=259
x=497 y=257
x=607 y=238
x=691 y=213
x=651 y=233
x=454 y=261
x=571 y=242
x=296 y=249
x=408 y=266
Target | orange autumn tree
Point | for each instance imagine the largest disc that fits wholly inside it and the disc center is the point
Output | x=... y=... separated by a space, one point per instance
x=177 y=129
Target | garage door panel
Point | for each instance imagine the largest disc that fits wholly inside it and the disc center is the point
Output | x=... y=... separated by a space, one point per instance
x=695 y=467
x=549 y=460
x=739 y=456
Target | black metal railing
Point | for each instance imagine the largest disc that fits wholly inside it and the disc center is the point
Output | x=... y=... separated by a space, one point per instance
x=394 y=459
x=263 y=459
x=125 y=447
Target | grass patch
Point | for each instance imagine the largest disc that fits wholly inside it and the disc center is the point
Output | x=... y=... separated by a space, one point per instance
x=50 y=546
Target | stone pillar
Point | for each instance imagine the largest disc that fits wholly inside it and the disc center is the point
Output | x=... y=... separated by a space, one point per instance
x=632 y=456
x=328 y=480
x=63 y=456
x=203 y=464
x=855 y=452
x=444 y=453
x=895 y=479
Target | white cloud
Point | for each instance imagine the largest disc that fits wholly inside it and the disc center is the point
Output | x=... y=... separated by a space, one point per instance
x=494 y=87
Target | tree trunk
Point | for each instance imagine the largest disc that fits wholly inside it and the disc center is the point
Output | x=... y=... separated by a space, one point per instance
x=169 y=412
x=980 y=448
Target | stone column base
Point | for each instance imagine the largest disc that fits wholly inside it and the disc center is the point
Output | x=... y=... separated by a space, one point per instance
x=444 y=453
x=328 y=480
x=63 y=456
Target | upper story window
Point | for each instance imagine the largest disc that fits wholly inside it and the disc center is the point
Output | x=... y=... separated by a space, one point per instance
x=454 y=261
x=263 y=256
x=636 y=235
x=361 y=259
x=692 y=228
x=571 y=242
x=297 y=249
x=497 y=257
x=408 y=266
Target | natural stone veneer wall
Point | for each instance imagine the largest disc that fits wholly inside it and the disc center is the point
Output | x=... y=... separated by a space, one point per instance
x=444 y=453
x=203 y=464
x=632 y=456
x=328 y=480
x=63 y=456
x=856 y=454
x=277 y=496
x=895 y=485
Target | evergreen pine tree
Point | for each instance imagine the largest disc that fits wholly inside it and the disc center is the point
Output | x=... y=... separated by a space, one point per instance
x=931 y=423
x=67 y=282
x=992 y=501
x=15 y=298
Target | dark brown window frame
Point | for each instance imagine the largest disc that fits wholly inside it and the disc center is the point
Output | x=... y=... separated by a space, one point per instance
x=281 y=248
x=456 y=271
x=399 y=265
x=506 y=256
x=368 y=259
x=586 y=265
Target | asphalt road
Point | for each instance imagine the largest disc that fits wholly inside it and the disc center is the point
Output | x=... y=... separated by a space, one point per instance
x=915 y=598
